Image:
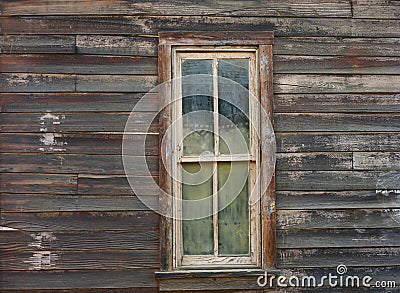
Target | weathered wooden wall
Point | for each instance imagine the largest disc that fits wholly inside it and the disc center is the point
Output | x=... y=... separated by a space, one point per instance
x=73 y=70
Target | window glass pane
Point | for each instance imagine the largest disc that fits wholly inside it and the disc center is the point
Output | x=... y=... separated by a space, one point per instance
x=197 y=97
x=233 y=104
x=197 y=234
x=233 y=220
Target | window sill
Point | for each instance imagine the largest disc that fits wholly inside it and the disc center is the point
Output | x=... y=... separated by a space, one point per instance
x=227 y=279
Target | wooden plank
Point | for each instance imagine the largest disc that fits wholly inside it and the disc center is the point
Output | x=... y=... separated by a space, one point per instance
x=336 y=65
x=333 y=180
x=81 y=221
x=313 y=83
x=376 y=8
x=79 y=143
x=92 y=290
x=314 y=161
x=338 y=219
x=111 y=185
x=76 y=122
x=165 y=167
x=207 y=38
x=38 y=183
x=37 y=44
x=342 y=46
x=221 y=284
x=117 y=45
x=336 y=122
x=377 y=161
x=325 y=8
x=311 y=200
x=267 y=183
x=78 y=260
x=78 y=102
x=79 y=241
x=115 y=83
x=77 y=63
x=130 y=25
x=66 y=203
x=355 y=103
x=337 y=142
x=89 y=164
x=333 y=257
x=319 y=238
x=78 y=279
x=24 y=82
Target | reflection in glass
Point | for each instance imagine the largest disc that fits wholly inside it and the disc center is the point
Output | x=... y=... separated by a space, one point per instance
x=233 y=220
x=233 y=103
x=197 y=95
x=197 y=234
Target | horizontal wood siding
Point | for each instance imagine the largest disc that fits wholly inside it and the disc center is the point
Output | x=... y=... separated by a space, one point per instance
x=72 y=71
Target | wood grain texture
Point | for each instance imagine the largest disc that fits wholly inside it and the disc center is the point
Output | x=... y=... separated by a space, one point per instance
x=112 y=185
x=10 y=44
x=333 y=257
x=147 y=46
x=338 y=219
x=320 y=103
x=336 y=65
x=333 y=46
x=314 y=83
x=311 y=200
x=314 y=161
x=81 y=221
x=377 y=161
x=336 y=122
x=12 y=241
x=325 y=8
x=117 y=45
x=89 y=164
x=115 y=83
x=38 y=183
x=371 y=9
x=128 y=25
x=77 y=63
x=77 y=122
x=26 y=82
x=78 y=279
x=165 y=168
x=78 y=102
x=337 y=142
x=334 y=180
x=65 y=203
x=79 y=143
x=339 y=238
x=75 y=260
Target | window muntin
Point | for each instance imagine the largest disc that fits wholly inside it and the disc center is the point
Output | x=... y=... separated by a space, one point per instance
x=222 y=95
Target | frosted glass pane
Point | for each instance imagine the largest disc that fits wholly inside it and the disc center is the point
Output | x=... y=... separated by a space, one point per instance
x=233 y=221
x=197 y=234
x=197 y=101
x=233 y=104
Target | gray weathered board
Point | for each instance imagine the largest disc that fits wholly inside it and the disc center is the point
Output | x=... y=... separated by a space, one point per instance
x=72 y=222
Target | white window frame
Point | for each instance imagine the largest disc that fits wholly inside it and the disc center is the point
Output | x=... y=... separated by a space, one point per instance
x=208 y=261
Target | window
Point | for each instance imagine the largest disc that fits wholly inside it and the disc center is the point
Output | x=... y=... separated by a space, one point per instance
x=215 y=159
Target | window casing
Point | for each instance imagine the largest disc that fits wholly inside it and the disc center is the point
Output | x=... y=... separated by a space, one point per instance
x=260 y=250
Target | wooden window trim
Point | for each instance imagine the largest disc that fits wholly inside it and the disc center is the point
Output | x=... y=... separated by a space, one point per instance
x=167 y=40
